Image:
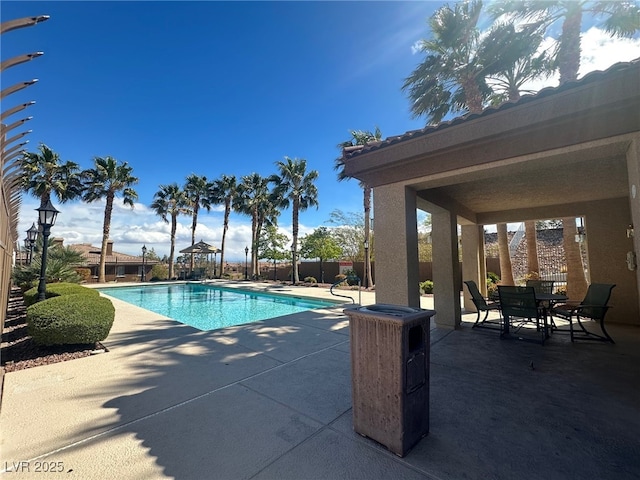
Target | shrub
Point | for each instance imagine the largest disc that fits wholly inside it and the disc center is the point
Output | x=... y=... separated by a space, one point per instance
x=70 y=319
x=85 y=273
x=159 y=272
x=492 y=278
x=310 y=280
x=56 y=290
x=341 y=279
x=427 y=286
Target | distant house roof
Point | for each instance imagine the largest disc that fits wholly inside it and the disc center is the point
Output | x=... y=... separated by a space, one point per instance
x=353 y=151
x=92 y=256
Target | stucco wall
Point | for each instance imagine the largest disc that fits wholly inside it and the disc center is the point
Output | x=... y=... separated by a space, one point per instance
x=607 y=246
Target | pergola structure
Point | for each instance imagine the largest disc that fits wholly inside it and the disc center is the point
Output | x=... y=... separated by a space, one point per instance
x=570 y=151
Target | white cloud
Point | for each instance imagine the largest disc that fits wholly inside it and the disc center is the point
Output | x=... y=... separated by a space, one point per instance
x=598 y=52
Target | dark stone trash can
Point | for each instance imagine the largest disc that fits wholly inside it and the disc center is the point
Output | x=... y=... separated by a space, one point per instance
x=390 y=346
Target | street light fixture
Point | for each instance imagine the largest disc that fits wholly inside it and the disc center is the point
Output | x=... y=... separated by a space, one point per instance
x=144 y=253
x=32 y=234
x=46 y=219
x=246 y=272
x=366 y=264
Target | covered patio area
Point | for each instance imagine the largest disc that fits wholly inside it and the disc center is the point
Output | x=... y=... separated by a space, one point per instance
x=570 y=151
x=272 y=400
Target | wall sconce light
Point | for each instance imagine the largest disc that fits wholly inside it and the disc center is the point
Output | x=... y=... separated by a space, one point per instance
x=630 y=231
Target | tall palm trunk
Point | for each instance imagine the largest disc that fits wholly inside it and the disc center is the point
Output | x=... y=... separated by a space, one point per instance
x=569 y=43
x=106 y=227
x=174 y=226
x=194 y=224
x=576 y=280
x=254 y=244
x=367 y=233
x=532 y=247
x=225 y=227
x=506 y=273
x=296 y=208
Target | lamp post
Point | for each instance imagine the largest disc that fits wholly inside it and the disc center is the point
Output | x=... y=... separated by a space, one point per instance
x=47 y=219
x=293 y=263
x=32 y=234
x=144 y=254
x=246 y=272
x=366 y=264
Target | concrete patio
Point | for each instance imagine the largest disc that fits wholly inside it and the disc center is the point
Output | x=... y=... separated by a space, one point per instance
x=272 y=400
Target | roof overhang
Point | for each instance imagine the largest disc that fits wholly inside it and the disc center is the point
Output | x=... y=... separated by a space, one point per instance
x=560 y=147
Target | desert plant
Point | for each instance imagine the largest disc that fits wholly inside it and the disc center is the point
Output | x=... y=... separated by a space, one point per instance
x=56 y=290
x=427 y=286
x=70 y=319
x=310 y=280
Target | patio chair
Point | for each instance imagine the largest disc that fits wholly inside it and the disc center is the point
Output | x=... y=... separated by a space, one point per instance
x=482 y=305
x=541 y=286
x=593 y=307
x=520 y=303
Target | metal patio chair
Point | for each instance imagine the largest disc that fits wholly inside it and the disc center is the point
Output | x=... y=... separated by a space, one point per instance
x=593 y=307
x=482 y=305
x=520 y=307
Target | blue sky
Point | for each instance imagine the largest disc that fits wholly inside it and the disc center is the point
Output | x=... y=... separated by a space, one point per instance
x=212 y=88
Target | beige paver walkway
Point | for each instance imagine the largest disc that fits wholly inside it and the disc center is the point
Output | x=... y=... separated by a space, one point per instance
x=272 y=400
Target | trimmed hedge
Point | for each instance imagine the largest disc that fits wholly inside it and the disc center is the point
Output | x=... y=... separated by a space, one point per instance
x=70 y=319
x=57 y=289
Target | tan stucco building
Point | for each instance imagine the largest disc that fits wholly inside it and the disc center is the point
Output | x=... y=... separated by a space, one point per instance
x=570 y=151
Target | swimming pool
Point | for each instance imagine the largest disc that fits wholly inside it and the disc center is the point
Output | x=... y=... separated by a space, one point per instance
x=206 y=307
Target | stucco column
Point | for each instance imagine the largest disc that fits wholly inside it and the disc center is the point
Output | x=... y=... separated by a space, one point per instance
x=396 y=245
x=473 y=261
x=446 y=269
x=633 y=172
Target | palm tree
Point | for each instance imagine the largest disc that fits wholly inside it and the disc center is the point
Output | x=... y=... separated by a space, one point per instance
x=296 y=188
x=223 y=191
x=451 y=77
x=252 y=197
x=170 y=201
x=43 y=174
x=105 y=180
x=621 y=19
x=506 y=272
x=196 y=190
x=360 y=137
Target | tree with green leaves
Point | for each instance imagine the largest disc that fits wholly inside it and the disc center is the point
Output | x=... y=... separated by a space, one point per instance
x=196 y=189
x=320 y=244
x=360 y=137
x=43 y=174
x=347 y=229
x=254 y=198
x=61 y=266
x=619 y=19
x=169 y=202
x=295 y=188
x=272 y=245
x=223 y=191
x=105 y=180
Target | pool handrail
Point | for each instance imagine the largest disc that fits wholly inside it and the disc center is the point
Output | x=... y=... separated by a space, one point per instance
x=352 y=277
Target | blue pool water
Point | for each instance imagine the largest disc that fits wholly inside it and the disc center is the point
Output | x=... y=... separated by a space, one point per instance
x=206 y=307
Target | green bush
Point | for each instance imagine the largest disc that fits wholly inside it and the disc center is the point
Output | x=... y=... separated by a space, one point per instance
x=427 y=286
x=310 y=280
x=70 y=319
x=159 y=272
x=56 y=290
